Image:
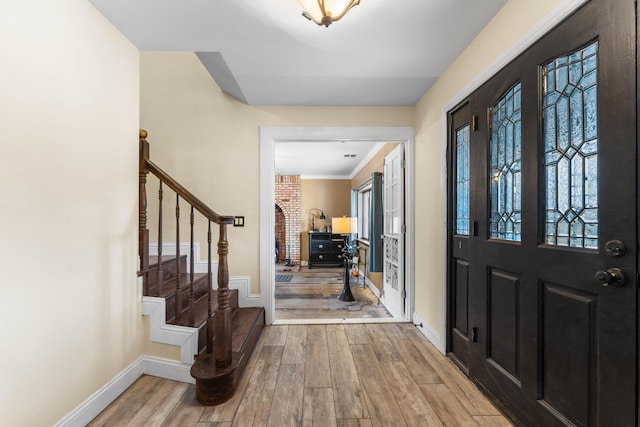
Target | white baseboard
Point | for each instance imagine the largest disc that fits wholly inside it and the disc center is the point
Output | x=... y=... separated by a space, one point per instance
x=169 y=369
x=98 y=401
x=430 y=333
x=371 y=286
x=102 y=398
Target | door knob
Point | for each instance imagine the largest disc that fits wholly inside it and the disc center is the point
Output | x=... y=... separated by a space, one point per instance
x=610 y=277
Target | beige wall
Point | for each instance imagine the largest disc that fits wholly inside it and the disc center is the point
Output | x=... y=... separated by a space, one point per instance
x=376 y=164
x=515 y=19
x=333 y=196
x=70 y=309
x=210 y=141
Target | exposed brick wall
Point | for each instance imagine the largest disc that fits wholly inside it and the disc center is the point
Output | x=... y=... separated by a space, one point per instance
x=288 y=192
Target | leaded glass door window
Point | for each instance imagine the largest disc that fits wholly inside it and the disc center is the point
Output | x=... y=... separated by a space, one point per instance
x=461 y=220
x=506 y=151
x=570 y=115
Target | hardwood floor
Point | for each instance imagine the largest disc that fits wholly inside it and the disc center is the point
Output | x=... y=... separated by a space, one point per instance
x=323 y=375
x=313 y=294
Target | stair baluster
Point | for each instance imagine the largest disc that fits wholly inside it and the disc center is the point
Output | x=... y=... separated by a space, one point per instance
x=192 y=298
x=223 y=312
x=159 y=270
x=210 y=326
x=143 y=232
x=178 y=297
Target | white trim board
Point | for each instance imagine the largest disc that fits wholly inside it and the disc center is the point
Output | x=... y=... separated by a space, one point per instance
x=555 y=17
x=182 y=336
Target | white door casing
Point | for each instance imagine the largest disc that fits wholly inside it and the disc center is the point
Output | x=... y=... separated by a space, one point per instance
x=269 y=136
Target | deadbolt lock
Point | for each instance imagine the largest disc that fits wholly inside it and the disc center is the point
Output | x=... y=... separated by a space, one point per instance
x=615 y=248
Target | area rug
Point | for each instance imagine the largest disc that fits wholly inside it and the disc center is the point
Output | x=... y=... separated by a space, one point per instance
x=281 y=278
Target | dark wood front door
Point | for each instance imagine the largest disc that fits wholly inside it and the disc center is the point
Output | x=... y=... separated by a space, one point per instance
x=552 y=262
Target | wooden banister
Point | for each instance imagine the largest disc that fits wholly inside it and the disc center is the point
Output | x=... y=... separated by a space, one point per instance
x=187 y=195
x=223 y=354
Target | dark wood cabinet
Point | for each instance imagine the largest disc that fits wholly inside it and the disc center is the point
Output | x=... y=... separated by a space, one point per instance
x=325 y=249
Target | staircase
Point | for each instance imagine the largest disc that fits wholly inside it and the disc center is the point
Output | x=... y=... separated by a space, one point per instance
x=227 y=333
x=247 y=321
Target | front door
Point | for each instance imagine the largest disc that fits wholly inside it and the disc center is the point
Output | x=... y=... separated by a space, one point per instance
x=393 y=288
x=552 y=263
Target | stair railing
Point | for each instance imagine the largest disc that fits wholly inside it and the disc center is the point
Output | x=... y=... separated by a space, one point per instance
x=221 y=323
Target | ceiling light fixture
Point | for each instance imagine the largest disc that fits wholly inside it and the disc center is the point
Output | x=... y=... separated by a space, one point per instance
x=324 y=12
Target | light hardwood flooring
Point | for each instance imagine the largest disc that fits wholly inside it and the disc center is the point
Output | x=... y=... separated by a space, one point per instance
x=323 y=375
x=313 y=294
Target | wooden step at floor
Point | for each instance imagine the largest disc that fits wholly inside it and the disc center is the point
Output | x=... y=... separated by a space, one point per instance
x=247 y=327
x=216 y=385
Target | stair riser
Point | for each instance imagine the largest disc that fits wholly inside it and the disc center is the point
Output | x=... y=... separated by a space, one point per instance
x=200 y=288
x=200 y=292
x=169 y=270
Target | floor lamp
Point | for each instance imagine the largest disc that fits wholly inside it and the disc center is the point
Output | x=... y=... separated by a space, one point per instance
x=345 y=226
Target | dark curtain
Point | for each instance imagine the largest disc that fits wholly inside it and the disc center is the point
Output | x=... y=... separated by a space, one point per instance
x=376 y=225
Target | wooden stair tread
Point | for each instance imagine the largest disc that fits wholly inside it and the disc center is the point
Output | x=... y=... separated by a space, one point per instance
x=169 y=286
x=242 y=325
x=153 y=259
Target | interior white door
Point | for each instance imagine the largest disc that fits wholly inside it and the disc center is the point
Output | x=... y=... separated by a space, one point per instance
x=393 y=286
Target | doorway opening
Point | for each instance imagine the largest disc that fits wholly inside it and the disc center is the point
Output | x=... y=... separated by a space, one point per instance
x=269 y=137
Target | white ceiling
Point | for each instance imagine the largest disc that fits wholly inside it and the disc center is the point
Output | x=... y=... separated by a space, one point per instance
x=324 y=159
x=383 y=52
x=263 y=52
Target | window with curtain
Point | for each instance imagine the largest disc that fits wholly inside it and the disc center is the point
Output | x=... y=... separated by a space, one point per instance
x=366 y=205
x=364 y=208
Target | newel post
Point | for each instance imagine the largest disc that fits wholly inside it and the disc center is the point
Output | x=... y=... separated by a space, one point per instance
x=223 y=312
x=143 y=232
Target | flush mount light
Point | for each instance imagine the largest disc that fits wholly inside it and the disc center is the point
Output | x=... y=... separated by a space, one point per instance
x=324 y=12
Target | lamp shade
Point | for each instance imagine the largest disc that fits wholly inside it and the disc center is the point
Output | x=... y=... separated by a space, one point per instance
x=344 y=225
